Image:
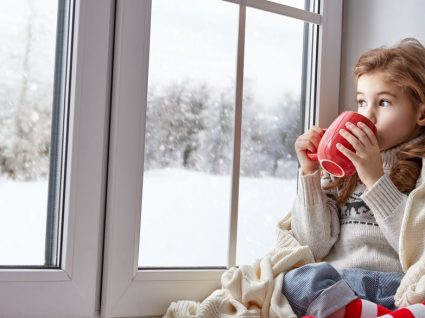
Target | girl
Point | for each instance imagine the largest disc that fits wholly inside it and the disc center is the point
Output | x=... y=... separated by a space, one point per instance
x=352 y=224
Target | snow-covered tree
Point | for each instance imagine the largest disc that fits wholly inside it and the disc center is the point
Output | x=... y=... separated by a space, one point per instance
x=175 y=120
x=26 y=95
x=217 y=138
x=268 y=137
x=191 y=126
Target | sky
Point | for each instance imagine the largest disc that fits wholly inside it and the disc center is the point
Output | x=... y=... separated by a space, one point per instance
x=197 y=40
x=15 y=17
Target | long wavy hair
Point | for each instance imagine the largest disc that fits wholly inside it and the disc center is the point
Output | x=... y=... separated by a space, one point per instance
x=404 y=65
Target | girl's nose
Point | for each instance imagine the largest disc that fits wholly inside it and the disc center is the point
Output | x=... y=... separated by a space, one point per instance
x=370 y=114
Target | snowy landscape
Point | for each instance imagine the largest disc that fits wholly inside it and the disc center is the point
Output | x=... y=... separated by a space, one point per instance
x=191 y=224
x=189 y=133
x=187 y=215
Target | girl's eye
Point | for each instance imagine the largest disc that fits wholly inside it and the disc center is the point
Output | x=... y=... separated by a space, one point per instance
x=384 y=103
x=361 y=103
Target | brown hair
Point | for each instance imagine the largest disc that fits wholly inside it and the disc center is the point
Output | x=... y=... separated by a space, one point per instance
x=405 y=66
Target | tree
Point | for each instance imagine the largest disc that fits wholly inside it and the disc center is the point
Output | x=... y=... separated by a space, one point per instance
x=289 y=128
x=25 y=111
x=175 y=120
x=190 y=126
x=217 y=138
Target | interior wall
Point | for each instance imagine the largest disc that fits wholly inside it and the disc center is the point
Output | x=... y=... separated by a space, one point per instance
x=371 y=23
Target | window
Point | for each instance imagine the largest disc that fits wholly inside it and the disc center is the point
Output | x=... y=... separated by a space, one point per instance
x=179 y=211
x=110 y=185
x=189 y=134
x=27 y=57
x=82 y=86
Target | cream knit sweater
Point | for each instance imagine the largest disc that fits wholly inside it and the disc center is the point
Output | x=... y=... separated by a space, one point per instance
x=412 y=247
x=255 y=290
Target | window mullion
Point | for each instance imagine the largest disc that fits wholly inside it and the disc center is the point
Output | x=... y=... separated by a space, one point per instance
x=237 y=136
x=328 y=62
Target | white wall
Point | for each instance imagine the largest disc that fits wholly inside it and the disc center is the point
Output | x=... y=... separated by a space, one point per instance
x=371 y=23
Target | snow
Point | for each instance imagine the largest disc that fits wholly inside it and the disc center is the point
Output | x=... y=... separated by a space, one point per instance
x=185 y=218
x=23 y=207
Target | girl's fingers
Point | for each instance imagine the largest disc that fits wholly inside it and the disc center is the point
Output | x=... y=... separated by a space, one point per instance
x=306 y=144
x=347 y=152
x=311 y=147
x=359 y=133
x=309 y=140
x=315 y=139
x=356 y=143
x=371 y=135
x=316 y=128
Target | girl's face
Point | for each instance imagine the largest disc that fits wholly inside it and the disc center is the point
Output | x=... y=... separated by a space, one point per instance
x=389 y=108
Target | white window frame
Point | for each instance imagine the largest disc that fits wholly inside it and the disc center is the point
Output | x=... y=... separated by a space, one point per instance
x=74 y=289
x=127 y=291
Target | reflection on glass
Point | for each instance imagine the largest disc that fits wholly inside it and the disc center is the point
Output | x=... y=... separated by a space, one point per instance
x=27 y=36
x=189 y=134
x=271 y=121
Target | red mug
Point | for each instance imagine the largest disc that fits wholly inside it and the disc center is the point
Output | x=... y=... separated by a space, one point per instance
x=330 y=158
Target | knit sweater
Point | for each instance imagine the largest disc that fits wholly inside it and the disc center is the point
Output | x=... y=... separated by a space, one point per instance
x=362 y=233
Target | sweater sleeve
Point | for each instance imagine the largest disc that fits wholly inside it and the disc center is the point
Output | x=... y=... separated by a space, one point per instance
x=315 y=220
x=387 y=204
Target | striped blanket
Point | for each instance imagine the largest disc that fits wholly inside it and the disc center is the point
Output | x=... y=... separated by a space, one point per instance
x=361 y=308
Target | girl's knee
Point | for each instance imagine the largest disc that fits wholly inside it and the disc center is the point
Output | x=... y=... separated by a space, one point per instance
x=310 y=279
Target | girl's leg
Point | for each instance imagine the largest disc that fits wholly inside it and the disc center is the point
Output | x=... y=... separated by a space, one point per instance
x=378 y=287
x=340 y=313
x=316 y=289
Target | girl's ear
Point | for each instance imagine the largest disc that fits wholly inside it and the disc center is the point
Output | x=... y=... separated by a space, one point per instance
x=421 y=115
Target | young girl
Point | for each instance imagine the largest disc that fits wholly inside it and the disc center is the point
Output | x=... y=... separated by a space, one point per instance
x=352 y=224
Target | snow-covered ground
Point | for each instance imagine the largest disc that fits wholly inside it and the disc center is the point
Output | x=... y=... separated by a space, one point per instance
x=185 y=220
x=23 y=207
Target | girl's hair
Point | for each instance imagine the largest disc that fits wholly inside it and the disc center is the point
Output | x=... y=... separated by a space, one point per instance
x=404 y=65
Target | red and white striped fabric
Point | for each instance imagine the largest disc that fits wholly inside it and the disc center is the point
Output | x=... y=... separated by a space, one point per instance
x=412 y=311
x=361 y=308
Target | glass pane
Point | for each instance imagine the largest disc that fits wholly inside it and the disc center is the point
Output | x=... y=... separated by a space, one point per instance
x=189 y=134
x=27 y=56
x=300 y=4
x=271 y=121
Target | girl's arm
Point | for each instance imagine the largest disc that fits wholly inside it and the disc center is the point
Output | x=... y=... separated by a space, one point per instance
x=315 y=220
x=387 y=204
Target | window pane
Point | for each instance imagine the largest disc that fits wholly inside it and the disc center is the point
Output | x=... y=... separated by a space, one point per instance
x=189 y=134
x=271 y=121
x=300 y=4
x=27 y=55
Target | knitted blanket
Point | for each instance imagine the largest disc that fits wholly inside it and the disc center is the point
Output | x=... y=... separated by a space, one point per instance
x=412 y=247
x=252 y=290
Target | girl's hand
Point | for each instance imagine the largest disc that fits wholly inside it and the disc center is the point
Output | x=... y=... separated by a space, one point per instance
x=366 y=158
x=308 y=141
